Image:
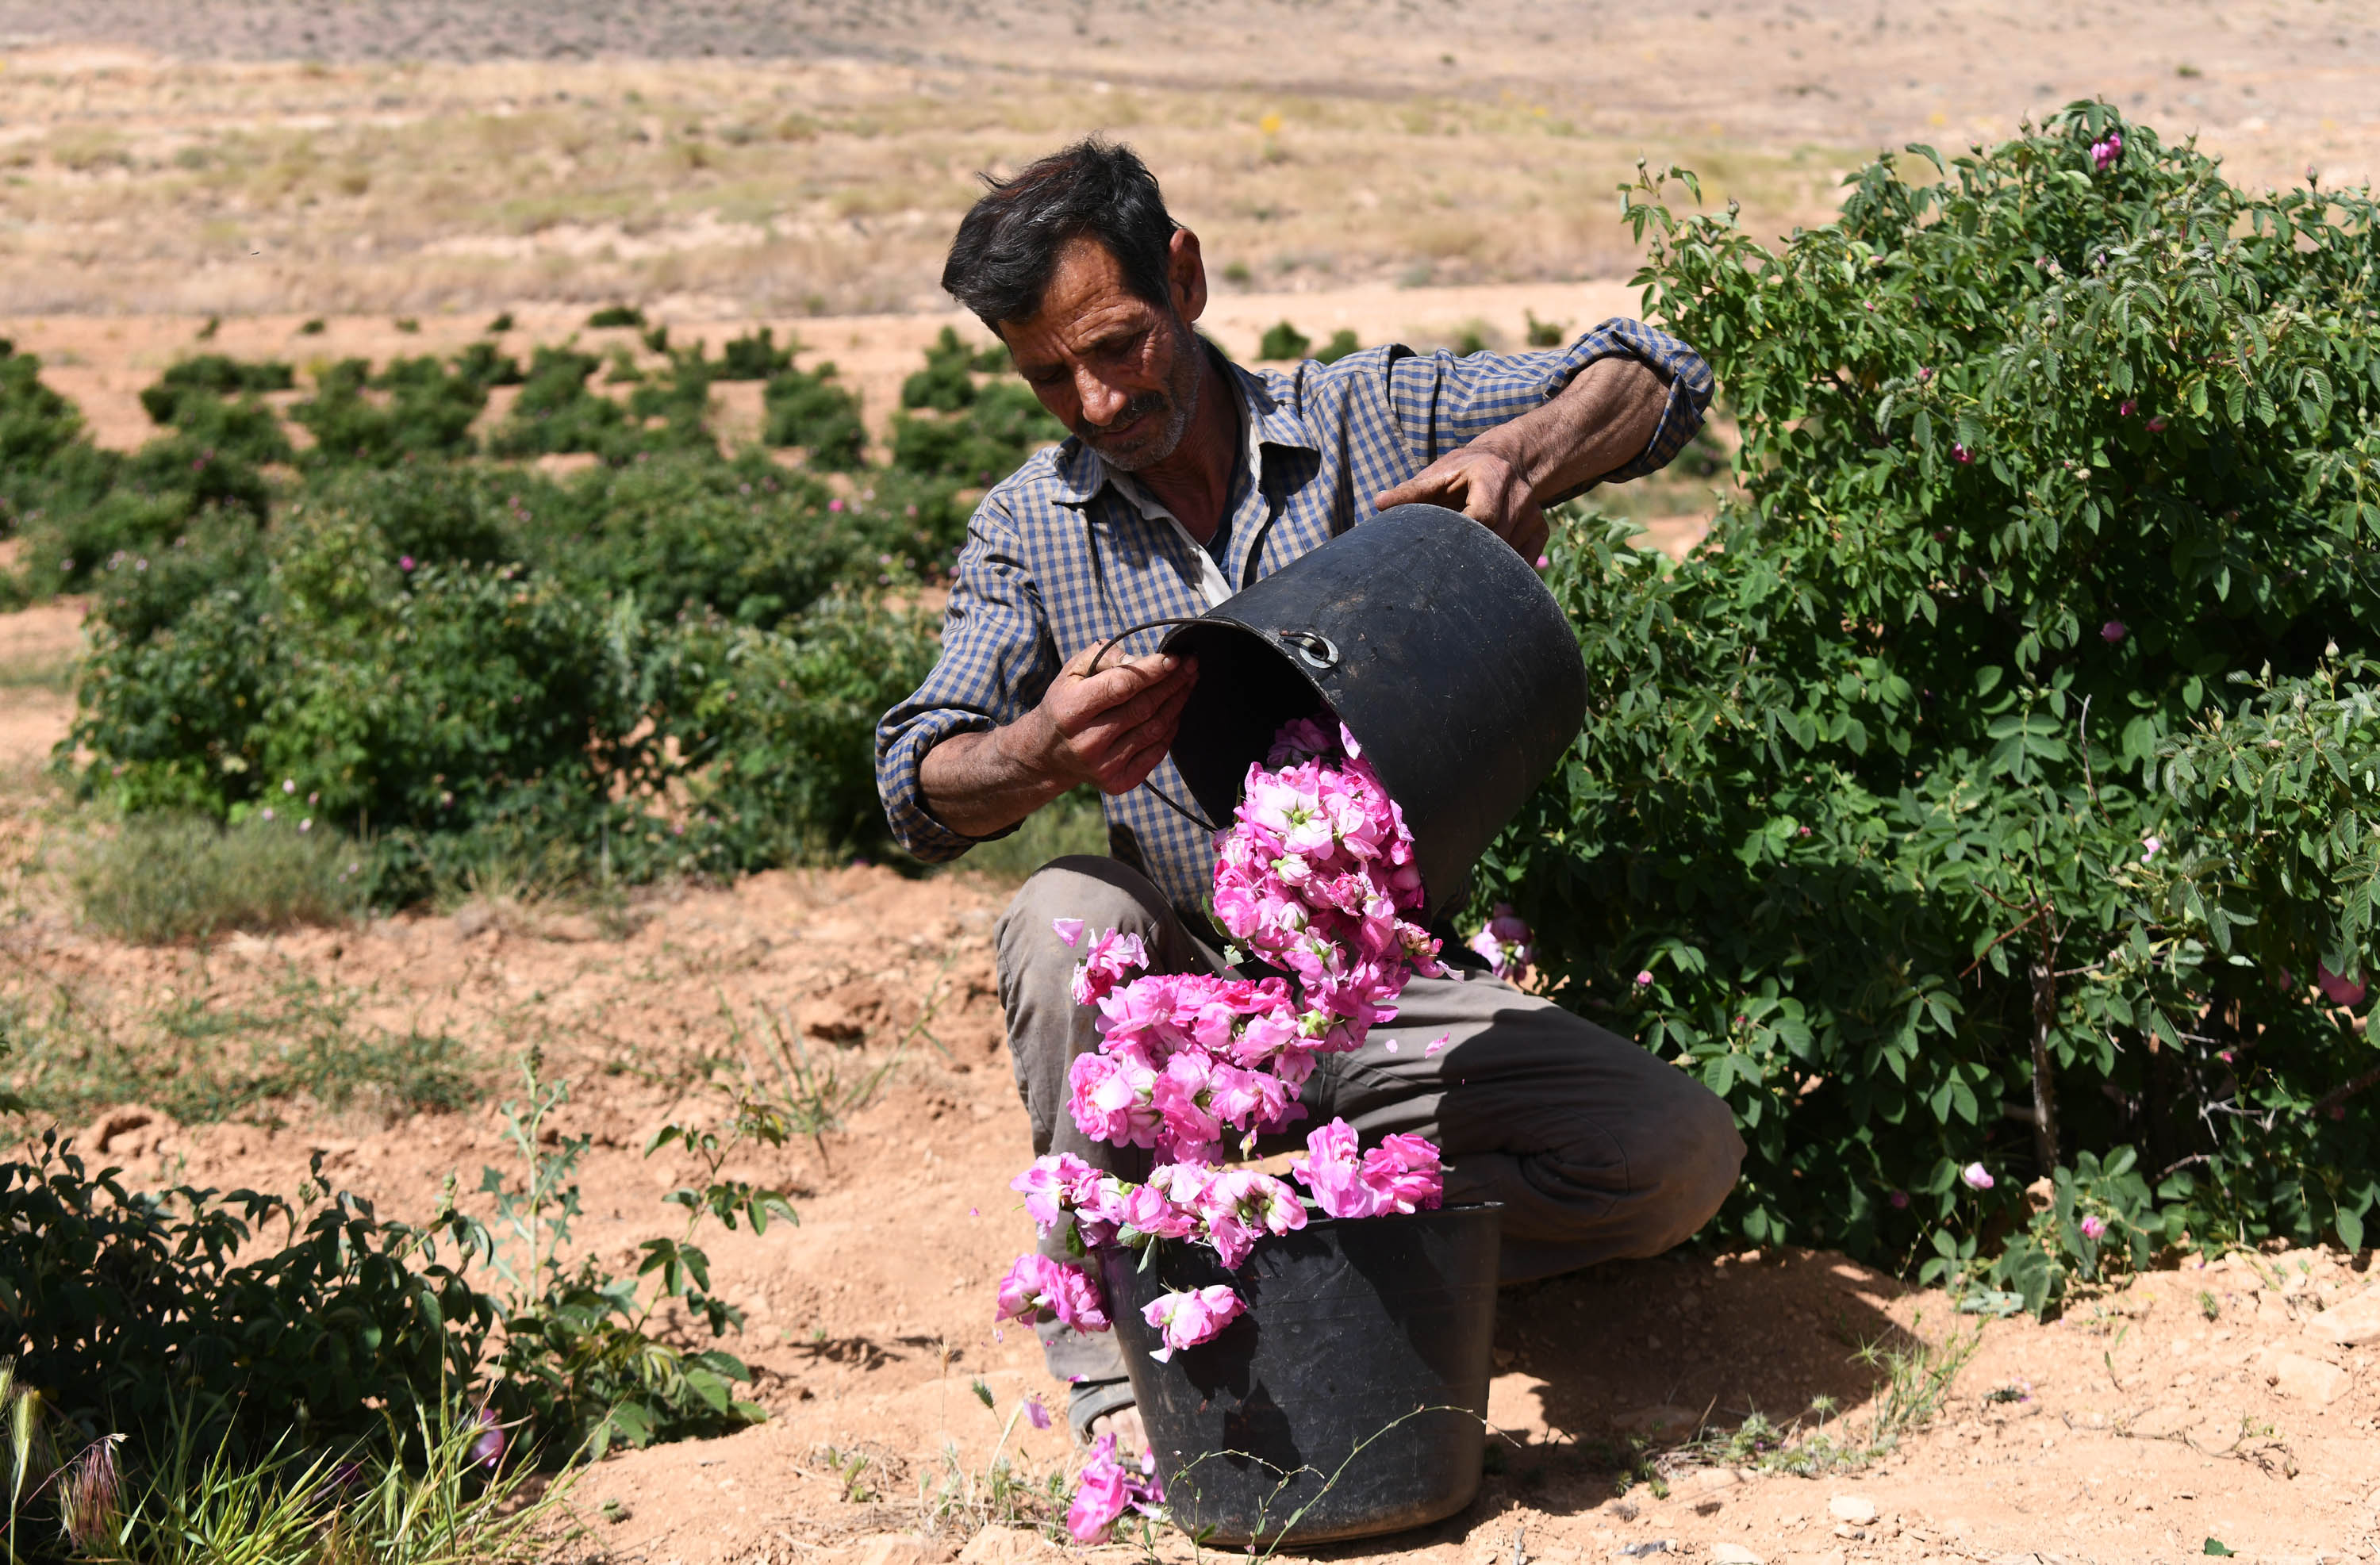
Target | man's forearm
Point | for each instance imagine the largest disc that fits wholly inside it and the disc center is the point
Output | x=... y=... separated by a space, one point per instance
x=1600 y=422
x=982 y=783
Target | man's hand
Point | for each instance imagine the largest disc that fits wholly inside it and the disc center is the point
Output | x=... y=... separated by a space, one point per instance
x=1484 y=485
x=1502 y=479
x=1110 y=729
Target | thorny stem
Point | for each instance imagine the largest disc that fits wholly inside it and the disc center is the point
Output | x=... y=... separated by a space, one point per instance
x=2045 y=1090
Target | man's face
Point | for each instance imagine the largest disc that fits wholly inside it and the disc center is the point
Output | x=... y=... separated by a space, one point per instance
x=1119 y=371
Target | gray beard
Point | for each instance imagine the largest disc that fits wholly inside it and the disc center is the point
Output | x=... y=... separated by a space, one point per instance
x=1184 y=401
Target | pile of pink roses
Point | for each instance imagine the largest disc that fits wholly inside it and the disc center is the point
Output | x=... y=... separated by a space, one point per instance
x=1315 y=878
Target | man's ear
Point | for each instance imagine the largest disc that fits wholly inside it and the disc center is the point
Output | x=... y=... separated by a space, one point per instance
x=1186 y=271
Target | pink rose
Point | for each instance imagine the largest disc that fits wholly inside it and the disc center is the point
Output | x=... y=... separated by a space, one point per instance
x=1106 y=1490
x=1038 y=1289
x=2338 y=988
x=1186 y=1318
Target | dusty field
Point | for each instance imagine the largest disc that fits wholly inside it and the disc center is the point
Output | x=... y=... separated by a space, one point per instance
x=269 y=156
x=2207 y=1404
x=1411 y=170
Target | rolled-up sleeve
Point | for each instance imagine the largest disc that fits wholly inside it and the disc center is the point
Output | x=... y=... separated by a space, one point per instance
x=1441 y=401
x=997 y=656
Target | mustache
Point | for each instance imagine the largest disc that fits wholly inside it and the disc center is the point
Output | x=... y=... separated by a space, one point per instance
x=1139 y=406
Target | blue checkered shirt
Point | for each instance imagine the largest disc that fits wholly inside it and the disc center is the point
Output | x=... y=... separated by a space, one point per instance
x=1060 y=556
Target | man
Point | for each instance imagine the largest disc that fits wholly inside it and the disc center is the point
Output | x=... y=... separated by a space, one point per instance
x=1187 y=477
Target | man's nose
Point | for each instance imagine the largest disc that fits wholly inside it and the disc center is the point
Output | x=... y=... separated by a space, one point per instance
x=1101 y=403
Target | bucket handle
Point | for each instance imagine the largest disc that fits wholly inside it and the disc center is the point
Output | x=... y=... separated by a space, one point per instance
x=1178 y=807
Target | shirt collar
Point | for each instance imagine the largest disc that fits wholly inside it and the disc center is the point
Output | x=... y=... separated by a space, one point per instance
x=1082 y=473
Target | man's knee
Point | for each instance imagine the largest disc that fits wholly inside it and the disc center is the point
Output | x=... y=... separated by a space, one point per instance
x=1691 y=1162
x=1102 y=892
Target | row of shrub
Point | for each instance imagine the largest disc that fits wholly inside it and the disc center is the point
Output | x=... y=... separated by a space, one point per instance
x=1995 y=800
x=673 y=660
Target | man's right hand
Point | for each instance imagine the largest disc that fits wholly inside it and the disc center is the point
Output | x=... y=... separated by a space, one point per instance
x=1110 y=729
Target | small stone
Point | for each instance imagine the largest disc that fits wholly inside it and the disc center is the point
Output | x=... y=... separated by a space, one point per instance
x=1007 y=1546
x=1710 y=1479
x=1858 y=1512
x=2307 y=1379
x=2353 y=1322
x=1664 y=1419
x=1734 y=1554
x=903 y=1549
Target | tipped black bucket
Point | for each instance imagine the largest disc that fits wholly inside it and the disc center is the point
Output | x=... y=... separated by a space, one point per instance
x=1351 y=1400
x=1432 y=641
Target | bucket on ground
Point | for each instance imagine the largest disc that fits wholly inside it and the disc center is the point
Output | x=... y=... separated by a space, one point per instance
x=1433 y=642
x=1350 y=1400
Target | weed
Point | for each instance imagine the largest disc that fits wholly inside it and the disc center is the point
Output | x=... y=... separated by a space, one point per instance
x=578 y=1359
x=851 y=1467
x=997 y=1494
x=200 y=1061
x=2208 y=1305
x=1917 y=1375
x=445 y=1506
x=617 y=315
x=808 y=1097
x=501 y=324
x=161 y=878
x=314 y=327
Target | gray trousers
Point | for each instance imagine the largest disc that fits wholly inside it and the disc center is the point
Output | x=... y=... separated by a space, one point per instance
x=1597 y=1149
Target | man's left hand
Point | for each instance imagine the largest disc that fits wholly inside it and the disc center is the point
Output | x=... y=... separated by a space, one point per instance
x=1484 y=485
x=1598 y=421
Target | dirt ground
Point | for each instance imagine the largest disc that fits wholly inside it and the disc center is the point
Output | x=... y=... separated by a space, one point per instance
x=1414 y=170
x=2237 y=1403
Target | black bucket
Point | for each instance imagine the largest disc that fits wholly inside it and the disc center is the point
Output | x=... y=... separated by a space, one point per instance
x=1351 y=1400
x=1432 y=641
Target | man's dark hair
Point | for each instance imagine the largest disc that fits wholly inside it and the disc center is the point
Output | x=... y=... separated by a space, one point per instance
x=1008 y=243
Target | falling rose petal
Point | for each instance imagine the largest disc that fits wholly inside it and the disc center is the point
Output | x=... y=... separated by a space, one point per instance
x=1439 y=1044
x=1391 y=1045
x=1036 y=1413
x=1067 y=930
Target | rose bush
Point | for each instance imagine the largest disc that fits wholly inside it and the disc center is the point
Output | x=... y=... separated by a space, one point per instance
x=1925 y=815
